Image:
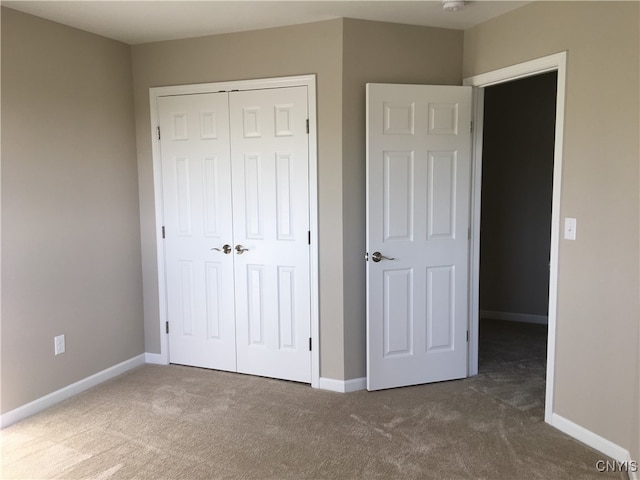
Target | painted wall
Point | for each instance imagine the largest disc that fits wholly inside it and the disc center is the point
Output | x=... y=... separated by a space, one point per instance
x=517 y=184
x=296 y=50
x=69 y=189
x=344 y=54
x=598 y=291
x=378 y=53
x=70 y=222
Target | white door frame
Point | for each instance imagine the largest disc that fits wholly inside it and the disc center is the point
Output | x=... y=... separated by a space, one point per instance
x=556 y=62
x=303 y=80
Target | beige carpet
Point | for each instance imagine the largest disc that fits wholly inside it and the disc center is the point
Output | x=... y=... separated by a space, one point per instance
x=185 y=423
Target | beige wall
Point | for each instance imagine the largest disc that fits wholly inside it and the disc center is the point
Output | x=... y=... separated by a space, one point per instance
x=70 y=223
x=302 y=49
x=597 y=326
x=71 y=229
x=344 y=54
x=378 y=52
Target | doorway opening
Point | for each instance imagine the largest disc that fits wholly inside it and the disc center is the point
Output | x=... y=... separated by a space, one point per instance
x=515 y=236
x=552 y=63
x=206 y=131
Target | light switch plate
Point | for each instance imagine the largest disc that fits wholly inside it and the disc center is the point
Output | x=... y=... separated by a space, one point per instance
x=59 y=345
x=569 y=228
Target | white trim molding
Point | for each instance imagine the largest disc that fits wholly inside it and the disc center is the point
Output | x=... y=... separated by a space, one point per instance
x=343 y=386
x=301 y=80
x=80 y=386
x=558 y=63
x=591 y=439
x=515 y=317
x=155 y=359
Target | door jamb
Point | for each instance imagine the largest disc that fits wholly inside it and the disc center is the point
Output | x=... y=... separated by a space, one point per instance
x=302 y=80
x=556 y=62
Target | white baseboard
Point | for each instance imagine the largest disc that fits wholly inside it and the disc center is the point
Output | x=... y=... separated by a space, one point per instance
x=155 y=359
x=51 y=399
x=592 y=439
x=343 y=386
x=515 y=317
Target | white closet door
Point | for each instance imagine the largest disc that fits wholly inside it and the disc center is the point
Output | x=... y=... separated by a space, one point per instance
x=269 y=144
x=196 y=181
x=418 y=196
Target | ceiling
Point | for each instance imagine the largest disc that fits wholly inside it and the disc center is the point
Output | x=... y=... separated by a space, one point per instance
x=144 y=21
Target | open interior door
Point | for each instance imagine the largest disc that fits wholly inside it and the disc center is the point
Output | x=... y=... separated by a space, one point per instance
x=418 y=202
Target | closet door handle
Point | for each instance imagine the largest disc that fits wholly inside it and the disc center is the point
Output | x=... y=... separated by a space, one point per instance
x=240 y=249
x=226 y=249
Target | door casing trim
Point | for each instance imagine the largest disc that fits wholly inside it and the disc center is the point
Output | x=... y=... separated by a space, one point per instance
x=255 y=84
x=556 y=62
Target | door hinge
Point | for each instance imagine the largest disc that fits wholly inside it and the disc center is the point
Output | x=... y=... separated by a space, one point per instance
x=471 y=129
x=163 y=234
x=307 y=125
x=309 y=237
x=166 y=327
x=309 y=343
x=158 y=132
x=467 y=336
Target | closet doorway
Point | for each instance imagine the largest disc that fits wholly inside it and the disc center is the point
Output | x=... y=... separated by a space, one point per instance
x=237 y=222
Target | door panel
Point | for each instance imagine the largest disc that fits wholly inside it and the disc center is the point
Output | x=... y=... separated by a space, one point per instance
x=271 y=193
x=196 y=183
x=418 y=194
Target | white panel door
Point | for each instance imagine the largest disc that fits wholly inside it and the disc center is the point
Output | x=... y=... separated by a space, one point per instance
x=269 y=145
x=196 y=181
x=418 y=197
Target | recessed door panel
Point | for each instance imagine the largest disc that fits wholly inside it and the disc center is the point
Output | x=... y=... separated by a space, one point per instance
x=285 y=197
x=255 y=297
x=398 y=195
x=284 y=115
x=251 y=122
x=213 y=277
x=211 y=183
x=440 y=308
x=208 y=126
x=441 y=195
x=179 y=128
x=399 y=118
x=186 y=294
x=253 y=195
x=398 y=312
x=443 y=119
x=287 y=307
x=183 y=195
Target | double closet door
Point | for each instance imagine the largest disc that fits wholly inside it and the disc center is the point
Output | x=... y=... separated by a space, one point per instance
x=235 y=176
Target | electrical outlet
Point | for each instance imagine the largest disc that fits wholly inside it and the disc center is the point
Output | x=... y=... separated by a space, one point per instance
x=58 y=344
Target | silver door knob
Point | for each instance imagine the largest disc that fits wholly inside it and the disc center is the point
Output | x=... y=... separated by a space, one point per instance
x=226 y=249
x=240 y=249
x=377 y=256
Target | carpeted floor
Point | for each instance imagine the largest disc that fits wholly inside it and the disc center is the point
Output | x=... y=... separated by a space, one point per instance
x=186 y=423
